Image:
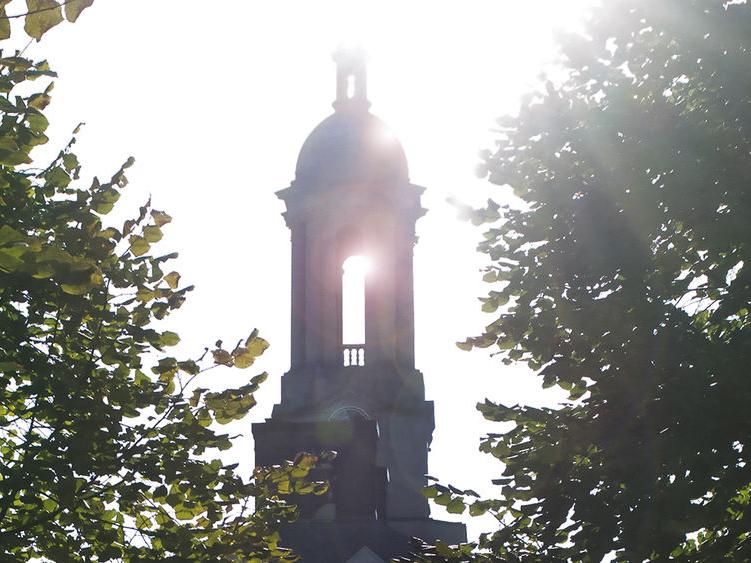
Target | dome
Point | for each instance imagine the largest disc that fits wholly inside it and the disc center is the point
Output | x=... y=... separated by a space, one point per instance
x=351 y=146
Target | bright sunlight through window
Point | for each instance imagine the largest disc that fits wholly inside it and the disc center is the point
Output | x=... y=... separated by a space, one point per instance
x=355 y=269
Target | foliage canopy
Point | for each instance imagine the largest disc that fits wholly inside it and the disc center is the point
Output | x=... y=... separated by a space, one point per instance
x=624 y=278
x=106 y=442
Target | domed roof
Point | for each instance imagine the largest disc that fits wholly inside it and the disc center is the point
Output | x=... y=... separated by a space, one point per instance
x=351 y=146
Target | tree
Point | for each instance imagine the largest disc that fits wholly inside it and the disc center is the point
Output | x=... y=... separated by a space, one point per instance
x=103 y=457
x=624 y=278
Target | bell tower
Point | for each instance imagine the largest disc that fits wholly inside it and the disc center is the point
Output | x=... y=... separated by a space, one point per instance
x=351 y=196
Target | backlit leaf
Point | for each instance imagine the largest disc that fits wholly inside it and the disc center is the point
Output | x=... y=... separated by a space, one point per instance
x=222 y=357
x=172 y=279
x=138 y=245
x=73 y=8
x=39 y=101
x=4 y=24
x=160 y=218
x=152 y=233
x=42 y=16
x=456 y=506
x=169 y=338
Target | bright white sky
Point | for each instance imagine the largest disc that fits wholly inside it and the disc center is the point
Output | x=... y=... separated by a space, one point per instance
x=214 y=99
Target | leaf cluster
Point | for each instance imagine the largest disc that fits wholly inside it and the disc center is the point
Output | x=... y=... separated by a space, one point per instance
x=106 y=442
x=624 y=279
x=41 y=15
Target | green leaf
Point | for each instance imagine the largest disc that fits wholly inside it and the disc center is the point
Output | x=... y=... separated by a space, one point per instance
x=152 y=233
x=37 y=122
x=143 y=521
x=477 y=508
x=456 y=506
x=190 y=367
x=73 y=8
x=256 y=345
x=76 y=289
x=4 y=24
x=39 y=101
x=160 y=218
x=163 y=519
x=42 y=16
x=169 y=338
x=70 y=161
x=243 y=358
x=138 y=245
x=258 y=379
x=183 y=514
x=9 y=235
x=14 y=158
x=204 y=417
x=430 y=491
x=57 y=177
x=443 y=499
x=172 y=279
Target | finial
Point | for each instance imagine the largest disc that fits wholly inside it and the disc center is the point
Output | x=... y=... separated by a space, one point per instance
x=351 y=79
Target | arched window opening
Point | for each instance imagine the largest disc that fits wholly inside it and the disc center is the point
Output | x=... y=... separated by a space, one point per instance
x=350 y=86
x=349 y=413
x=353 y=310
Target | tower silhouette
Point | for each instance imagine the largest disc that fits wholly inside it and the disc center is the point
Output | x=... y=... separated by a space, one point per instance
x=352 y=196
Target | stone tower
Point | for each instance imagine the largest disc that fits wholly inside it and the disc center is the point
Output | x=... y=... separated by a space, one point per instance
x=352 y=196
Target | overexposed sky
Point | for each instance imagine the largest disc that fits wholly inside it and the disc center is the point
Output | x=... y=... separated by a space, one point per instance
x=214 y=100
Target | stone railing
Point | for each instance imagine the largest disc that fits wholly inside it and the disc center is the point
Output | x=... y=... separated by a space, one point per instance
x=353 y=355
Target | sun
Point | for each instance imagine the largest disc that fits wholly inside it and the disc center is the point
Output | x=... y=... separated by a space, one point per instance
x=357 y=266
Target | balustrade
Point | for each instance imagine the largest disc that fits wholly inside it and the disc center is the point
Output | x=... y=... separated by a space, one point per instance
x=353 y=355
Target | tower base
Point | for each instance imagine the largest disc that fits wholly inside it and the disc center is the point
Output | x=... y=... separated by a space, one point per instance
x=366 y=540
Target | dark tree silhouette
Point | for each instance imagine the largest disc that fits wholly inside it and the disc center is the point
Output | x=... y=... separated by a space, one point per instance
x=625 y=279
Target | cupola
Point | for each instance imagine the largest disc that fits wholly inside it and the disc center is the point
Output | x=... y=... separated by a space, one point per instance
x=351 y=146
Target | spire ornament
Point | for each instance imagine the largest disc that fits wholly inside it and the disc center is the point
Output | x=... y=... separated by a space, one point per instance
x=351 y=79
